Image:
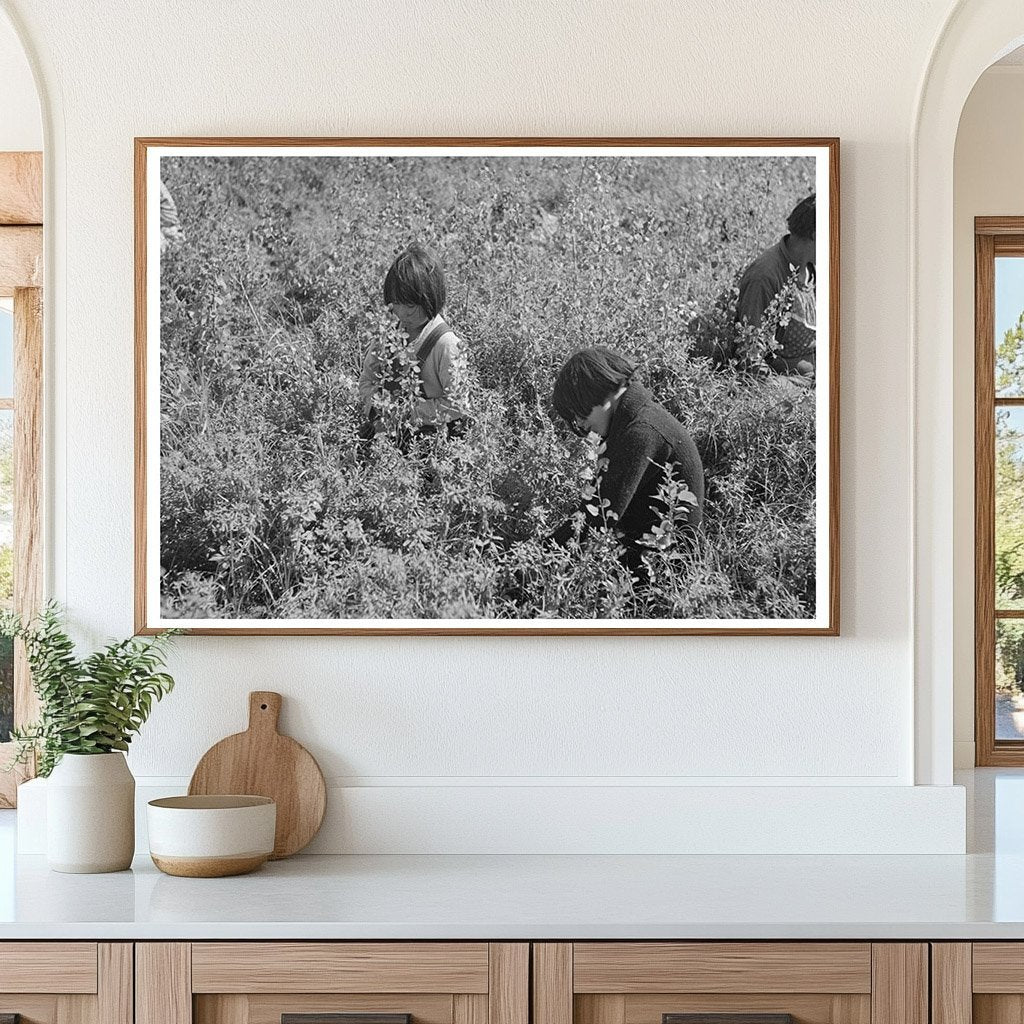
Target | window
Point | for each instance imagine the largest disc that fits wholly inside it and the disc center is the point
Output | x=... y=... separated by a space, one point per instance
x=21 y=250
x=999 y=490
x=6 y=510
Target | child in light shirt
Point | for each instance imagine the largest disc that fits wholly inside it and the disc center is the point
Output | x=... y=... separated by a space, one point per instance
x=415 y=293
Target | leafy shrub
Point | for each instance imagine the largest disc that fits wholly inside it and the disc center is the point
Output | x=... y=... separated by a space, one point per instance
x=89 y=705
x=268 y=307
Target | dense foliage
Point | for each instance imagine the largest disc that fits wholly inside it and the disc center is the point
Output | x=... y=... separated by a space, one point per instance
x=271 y=299
x=89 y=705
x=1009 y=510
x=6 y=570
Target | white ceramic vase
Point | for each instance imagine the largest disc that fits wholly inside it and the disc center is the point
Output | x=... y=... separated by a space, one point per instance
x=90 y=814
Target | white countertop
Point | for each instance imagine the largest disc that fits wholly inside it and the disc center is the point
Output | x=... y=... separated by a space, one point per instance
x=517 y=897
x=976 y=896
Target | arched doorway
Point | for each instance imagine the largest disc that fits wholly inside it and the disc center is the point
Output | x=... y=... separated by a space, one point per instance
x=977 y=33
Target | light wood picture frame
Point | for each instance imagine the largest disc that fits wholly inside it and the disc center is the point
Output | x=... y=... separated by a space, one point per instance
x=265 y=345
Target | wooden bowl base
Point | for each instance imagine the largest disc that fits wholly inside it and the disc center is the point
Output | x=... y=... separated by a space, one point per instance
x=209 y=867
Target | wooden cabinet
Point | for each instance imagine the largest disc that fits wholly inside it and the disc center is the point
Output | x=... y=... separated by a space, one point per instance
x=663 y=982
x=66 y=982
x=306 y=982
x=512 y=983
x=978 y=983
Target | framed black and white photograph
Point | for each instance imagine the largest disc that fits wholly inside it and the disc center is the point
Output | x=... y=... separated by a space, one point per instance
x=488 y=386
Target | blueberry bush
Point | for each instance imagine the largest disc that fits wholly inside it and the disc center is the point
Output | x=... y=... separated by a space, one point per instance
x=269 y=507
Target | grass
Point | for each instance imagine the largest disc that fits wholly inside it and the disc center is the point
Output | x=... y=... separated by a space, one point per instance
x=271 y=300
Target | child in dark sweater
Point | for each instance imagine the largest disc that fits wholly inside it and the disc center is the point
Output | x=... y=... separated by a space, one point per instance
x=595 y=394
x=783 y=279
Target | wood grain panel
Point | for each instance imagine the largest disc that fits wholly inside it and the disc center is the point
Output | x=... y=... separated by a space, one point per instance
x=28 y=483
x=834 y=284
x=21 y=259
x=141 y=257
x=1010 y=245
x=76 y=1010
x=635 y=967
x=469 y=1009
x=594 y=1009
x=28 y=477
x=267 y=1009
x=984 y=502
x=163 y=983
x=34 y=1009
x=998 y=967
x=998 y=225
x=951 y=983
x=21 y=188
x=624 y=142
x=998 y=1009
x=899 y=991
x=115 y=983
x=65 y=967
x=339 y=967
x=508 y=993
x=805 y=1008
x=851 y=1009
x=260 y=761
x=229 y=1009
x=552 y=983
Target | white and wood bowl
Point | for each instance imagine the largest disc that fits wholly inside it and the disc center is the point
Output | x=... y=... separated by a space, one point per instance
x=211 y=836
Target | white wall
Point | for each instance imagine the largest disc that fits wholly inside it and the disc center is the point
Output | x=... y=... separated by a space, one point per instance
x=988 y=182
x=21 y=127
x=440 y=713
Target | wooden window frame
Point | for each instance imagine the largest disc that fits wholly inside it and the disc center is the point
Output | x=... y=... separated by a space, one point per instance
x=21 y=278
x=993 y=236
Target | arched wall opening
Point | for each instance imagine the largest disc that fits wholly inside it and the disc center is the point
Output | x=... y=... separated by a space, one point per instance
x=989 y=154
x=99 y=221
x=976 y=34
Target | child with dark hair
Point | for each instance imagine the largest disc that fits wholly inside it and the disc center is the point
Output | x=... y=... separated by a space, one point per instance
x=786 y=269
x=595 y=393
x=415 y=293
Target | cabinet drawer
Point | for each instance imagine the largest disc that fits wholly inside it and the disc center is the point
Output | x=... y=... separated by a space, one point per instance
x=340 y=967
x=642 y=982
x=998 y=967
x=332 y=983
x=750 y=967
x=65 y=967
x=730 y=983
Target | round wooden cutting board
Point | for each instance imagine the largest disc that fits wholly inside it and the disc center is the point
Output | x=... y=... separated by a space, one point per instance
x=262 y=762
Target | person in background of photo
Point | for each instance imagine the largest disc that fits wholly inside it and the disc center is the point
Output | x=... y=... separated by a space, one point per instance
x=170 y=225
x=787 y=263
x=595 y=393
x=415 y=292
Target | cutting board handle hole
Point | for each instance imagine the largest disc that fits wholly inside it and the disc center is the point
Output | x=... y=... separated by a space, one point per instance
x=263 y=707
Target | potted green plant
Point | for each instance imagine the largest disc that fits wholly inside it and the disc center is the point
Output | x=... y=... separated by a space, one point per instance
x=90 y=708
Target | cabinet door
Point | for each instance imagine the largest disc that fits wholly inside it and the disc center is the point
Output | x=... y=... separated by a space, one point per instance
x=66 y=982
x=332 y=983
x=981 y=982
x=730 y=983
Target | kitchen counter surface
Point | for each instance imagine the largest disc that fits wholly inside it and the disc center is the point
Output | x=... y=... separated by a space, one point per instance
x=976 y=896
x=538 y=897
